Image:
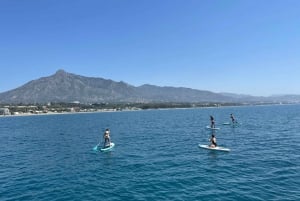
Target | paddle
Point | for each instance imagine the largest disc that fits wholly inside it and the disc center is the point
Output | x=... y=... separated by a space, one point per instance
x=96 y=147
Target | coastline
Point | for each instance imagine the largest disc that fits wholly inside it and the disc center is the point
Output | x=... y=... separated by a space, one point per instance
x=129 y=110
x=69 y=113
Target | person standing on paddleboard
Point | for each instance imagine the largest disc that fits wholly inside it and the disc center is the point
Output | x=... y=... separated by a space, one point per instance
x=213 y=141
x=232 y=118
x=106 y=137
x=212 y=122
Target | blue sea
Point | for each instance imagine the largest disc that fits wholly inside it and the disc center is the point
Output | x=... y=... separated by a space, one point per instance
x=156 y=157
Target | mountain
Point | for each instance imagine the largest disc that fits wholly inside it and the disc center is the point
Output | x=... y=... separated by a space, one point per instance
x=179 y=94
x=285 y=98
x=245 y=98
x=68 y=87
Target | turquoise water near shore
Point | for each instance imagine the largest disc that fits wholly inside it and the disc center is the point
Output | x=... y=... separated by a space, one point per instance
x=156 y=156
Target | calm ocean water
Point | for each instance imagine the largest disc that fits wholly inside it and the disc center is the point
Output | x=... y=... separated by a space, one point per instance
x=156 y=156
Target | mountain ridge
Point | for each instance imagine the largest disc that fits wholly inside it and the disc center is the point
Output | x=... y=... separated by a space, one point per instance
x=68 y=87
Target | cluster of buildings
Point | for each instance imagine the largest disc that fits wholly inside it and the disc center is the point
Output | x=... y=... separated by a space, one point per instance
x=29 y=110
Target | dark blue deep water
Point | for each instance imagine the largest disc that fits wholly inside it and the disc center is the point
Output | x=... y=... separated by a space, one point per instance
x=156 y=156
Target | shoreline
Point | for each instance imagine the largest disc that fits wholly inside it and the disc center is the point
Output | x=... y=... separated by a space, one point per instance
x=128 y=110
x=70 y=113
x=52 y=113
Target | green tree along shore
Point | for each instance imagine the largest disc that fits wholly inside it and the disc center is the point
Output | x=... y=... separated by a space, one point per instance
x=16 y=109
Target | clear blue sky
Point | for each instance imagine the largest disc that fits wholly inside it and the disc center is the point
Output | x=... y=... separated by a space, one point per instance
x=239 y=46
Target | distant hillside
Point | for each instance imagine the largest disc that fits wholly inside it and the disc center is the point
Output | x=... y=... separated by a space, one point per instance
x=284 y=98
x=68 y=87
x=245 y=98
x=179 y=94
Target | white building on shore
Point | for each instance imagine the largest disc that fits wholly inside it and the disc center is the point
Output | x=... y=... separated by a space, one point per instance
x=4 y=111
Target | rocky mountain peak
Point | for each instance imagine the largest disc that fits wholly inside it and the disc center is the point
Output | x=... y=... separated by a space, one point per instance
x=61 y=72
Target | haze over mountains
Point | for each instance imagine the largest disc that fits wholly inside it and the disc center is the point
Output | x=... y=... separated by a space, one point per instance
x=68 y=87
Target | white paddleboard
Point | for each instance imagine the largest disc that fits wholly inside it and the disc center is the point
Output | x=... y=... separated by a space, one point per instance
x=226 y=123
x=236 y=124
x=101 y=148
x=217 y=148
x=108 y=148
x=208 y=127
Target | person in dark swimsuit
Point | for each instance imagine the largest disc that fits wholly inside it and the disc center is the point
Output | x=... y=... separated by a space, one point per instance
x=213 y=141
x=232 y=118
x=212 y=122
